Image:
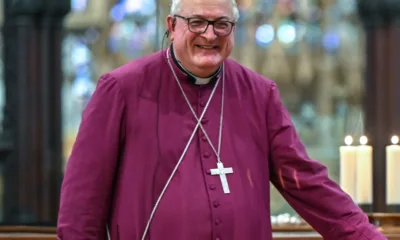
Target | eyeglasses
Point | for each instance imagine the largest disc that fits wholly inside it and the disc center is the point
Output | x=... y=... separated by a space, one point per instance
x=199 y=25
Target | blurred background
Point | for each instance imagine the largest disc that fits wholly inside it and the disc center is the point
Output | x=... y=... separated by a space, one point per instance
x=314 y=49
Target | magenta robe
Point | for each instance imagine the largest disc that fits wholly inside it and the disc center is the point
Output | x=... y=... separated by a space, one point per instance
x=134 y=130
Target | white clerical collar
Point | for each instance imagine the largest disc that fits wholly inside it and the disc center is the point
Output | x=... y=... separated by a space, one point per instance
x=198 y=80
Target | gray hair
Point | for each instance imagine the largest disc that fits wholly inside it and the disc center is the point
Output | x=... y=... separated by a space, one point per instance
x=176 y=5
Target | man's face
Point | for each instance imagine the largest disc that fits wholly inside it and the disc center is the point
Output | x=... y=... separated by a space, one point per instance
x=201 y=54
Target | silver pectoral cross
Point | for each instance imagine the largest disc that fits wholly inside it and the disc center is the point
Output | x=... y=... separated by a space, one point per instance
x=221 y=171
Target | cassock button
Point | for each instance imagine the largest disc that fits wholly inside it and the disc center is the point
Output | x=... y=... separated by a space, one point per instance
x=207 y=154
x=218 y=238
x=208 y=171
x=217 y=222
x=216 y=204
x=204 y=138
x=213 y=187
x=204 y=121
x=202 y=103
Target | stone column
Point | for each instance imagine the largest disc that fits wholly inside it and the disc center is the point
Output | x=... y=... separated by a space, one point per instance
x=382 y=85
x=32 y=172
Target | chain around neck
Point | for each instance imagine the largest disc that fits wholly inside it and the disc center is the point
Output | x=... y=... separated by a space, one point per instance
x=217 y=152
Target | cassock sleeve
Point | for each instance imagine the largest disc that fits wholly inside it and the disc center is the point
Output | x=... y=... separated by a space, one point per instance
x=87 y=187
x=305 y=184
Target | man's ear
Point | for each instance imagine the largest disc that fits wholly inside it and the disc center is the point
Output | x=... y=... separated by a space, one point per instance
x=171 y=22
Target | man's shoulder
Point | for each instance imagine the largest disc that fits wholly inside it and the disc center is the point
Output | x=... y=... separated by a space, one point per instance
x=133 y=76
x=138 y=68
x=247 y=76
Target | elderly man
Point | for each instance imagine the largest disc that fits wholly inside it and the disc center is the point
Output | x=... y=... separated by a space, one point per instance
x=182 y=144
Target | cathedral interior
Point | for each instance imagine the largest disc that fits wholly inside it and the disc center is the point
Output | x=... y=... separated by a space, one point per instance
x=314 y=50
x=319 y=52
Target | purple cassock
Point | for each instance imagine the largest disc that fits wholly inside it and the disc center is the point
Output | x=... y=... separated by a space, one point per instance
x=134 y=131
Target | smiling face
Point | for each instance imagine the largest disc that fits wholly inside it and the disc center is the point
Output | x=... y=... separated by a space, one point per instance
x=201 y=54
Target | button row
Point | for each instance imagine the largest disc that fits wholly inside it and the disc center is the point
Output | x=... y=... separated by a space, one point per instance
x=216 y=203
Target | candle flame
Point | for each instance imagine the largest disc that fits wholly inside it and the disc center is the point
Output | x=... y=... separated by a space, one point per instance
x=348 y=140
x=395 y=140
x=363 y=140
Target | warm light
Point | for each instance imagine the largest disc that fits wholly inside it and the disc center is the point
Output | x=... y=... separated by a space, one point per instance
x=363 y=140
x=348 y=140
x=395 y=140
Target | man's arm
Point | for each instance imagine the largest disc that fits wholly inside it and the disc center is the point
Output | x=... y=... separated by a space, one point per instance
x=305 y=184
x=87 y=188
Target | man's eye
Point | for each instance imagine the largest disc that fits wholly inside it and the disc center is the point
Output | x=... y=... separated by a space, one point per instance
x=197 y=22
x=222 y=24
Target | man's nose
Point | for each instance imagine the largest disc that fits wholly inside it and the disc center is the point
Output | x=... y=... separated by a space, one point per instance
x=209 y=33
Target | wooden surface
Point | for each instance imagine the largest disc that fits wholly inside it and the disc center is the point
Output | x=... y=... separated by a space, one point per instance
x=314 y=236
x=27 y=237
x=48 y=233
x=277 y=236
x=27 y=229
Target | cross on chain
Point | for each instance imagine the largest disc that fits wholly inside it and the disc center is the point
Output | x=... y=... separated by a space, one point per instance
x=221 y=171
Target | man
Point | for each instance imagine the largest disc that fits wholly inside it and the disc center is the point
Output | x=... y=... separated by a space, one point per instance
x=182 y=144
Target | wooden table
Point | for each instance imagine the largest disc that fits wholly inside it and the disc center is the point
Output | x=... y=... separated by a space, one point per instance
x=387 y=223
x=302 y=232
x=314 y=236
x=277 y=236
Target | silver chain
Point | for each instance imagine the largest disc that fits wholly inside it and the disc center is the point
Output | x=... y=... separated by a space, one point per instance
x=180 y=158
x=217 y=153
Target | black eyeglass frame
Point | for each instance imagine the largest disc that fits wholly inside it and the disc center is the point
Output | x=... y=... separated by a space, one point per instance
x=188 y=19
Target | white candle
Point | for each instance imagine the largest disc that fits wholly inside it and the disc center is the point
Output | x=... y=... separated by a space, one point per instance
x=348 y=157
x=392 y=172
x=364 y=172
